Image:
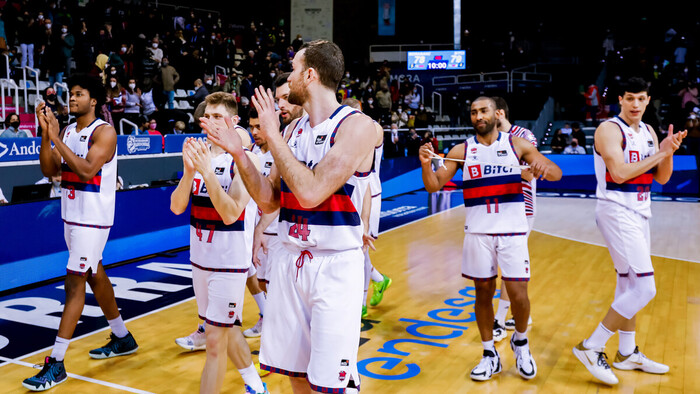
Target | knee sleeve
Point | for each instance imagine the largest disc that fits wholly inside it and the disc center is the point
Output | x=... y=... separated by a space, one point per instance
x=639 y=292
x=621 y=285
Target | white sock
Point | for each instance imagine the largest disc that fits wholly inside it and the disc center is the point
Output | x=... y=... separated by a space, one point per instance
x=488 y=345
x=251 y=378
x=519 y=336
x=502 y=311
x=376 y=275
x=627 y=342
x=260 y=299
x=118 y=327
x=59 y=348
x=599 y=337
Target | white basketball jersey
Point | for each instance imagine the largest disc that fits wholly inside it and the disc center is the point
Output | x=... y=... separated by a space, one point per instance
x=375 y=184
x=529 y=187
x=335 y=224
x=215 y=245
x=633 y=193
x=91 y=202
x=266 y=161
x=493 y=192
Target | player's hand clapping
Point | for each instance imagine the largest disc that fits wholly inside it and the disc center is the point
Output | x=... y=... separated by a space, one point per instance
x=201 y=156
x=225 y=138
x=264 y=102
x=188 y=157
x=672 y=141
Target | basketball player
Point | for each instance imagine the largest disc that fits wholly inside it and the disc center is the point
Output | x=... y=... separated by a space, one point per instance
x=496 y=227
x=529 y=190
x=318 y=181
x=374 y=210
x=86 y=154
x=219 y=247
x=265 y=234
x=627 y=158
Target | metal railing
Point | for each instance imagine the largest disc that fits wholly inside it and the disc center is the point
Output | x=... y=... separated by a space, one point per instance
x=26 y=88
x=7 y=66
x=432 y=105
x=11 y=84
x=130 y=123
x=64 y=86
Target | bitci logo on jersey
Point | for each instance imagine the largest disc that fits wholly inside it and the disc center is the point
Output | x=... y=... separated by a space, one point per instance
x=474 y=171
x=634 y=156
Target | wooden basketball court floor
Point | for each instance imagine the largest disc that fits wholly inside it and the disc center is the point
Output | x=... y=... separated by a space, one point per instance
x=571 y=288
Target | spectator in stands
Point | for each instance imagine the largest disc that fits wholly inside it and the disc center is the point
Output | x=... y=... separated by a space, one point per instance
x=422 y=117
x=200 y=93
x=28 y=35
x=412 y=99
x=558 y=142
x=392 y=142
x=370 y=108
x=12 y=129
x=412 y=142
x=148 y=106
x=428 y=138
x=233 y=83
x=212 y=84
x=116 y=99
x=126 y=53
x=153 y=130
x=574 y=148
x=592 y=102
x=67 y=44
x=168 y=79
x=248 y=86
x=566 y=130
x=51 y=100
x=384 y=101
x=154 y=52
x=3 y=200
x=132 y=97
x=689 y=96
x=179 y=127
x=577 y=132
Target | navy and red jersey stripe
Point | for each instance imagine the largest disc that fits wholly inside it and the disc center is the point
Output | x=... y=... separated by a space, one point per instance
x=507 y=188
x=337 y=210
x=205 y=215
x=71 y=180
x=631 y=185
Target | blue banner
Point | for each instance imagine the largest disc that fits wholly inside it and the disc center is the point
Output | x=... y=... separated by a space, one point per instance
x=19 y=149
x=174 y=142
x=139 y=144
x=386 y=23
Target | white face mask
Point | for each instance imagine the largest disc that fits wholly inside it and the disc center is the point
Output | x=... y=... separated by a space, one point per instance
x=64 y=30
x=113 y=84
x=40 y=17
x=370 y=101
x=132 y=86
x=113 y=72
x=48 y=25
x=154 y=45
x=208 y=82
x=213 y=37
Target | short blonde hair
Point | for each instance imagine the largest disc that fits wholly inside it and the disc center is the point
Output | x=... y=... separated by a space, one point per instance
x=224 y=98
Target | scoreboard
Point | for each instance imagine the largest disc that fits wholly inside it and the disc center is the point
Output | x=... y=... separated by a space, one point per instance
x=436 y=60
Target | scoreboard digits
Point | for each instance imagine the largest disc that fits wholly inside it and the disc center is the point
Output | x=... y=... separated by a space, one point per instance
x=436 y=60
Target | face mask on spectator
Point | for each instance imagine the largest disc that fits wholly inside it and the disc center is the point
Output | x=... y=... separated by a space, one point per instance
x=272 y=75
x=370 y=101
x=64 y=30
x=113 y=72
x=15 y=124
x=165 y=63
x=208 y=81
x=48 y=26
x=123 y=50
x=113 y=84
x=213 y=37
x=399 y=110
x=51 y=97
x=132 y=86
x=40 y=17
x=152 y=126
x=154 y=45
